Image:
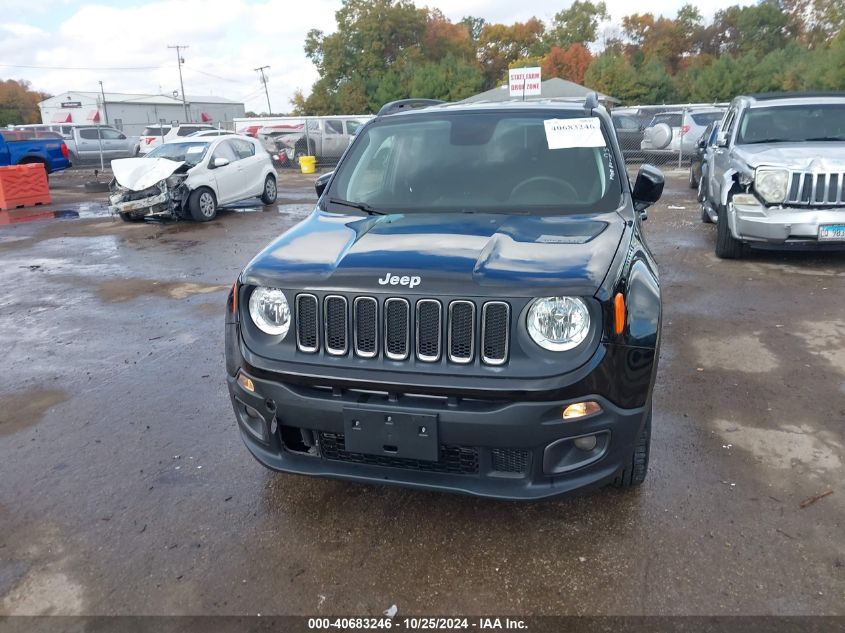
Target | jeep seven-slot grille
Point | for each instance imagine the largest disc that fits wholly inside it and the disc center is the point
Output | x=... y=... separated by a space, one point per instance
x=816 y=189
x=400 y=330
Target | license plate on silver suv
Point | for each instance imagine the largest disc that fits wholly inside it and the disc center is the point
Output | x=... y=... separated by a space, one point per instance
x=832 y=233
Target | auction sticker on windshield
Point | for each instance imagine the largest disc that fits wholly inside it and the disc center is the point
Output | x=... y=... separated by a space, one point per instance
x=569 y=133
x=832 y=233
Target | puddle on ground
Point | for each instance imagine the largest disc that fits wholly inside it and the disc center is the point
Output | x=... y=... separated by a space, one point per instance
x=120 y=290
x=24 y=409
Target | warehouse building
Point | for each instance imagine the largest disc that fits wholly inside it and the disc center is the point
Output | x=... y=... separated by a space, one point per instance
x=131 y=113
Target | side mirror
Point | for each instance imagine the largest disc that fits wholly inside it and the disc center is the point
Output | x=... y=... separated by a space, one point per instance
x=721 y=140
x=220 y=162
x=648 y=188
x=702 y=143
x=322 y=182
x=122 y=137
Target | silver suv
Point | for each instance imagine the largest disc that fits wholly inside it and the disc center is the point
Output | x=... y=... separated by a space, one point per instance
x=775 y=178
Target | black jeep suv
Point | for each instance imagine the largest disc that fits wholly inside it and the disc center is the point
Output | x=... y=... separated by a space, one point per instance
x=471 y=307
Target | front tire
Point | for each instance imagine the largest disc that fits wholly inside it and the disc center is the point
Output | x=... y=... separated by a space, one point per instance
x=727 y=246
x=268 y=196
x=128 y=217
x=693 y=182
x=203 y=205
x=634 y=472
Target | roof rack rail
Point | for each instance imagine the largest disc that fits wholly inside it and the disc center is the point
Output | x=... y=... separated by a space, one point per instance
x=591 y=102
x=406 y=104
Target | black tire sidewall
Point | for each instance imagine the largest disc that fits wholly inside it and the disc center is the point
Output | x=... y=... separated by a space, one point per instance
x=263 y=195
x=194 y=205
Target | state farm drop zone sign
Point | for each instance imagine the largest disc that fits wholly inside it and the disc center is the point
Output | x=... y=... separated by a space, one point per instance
x=524 y=81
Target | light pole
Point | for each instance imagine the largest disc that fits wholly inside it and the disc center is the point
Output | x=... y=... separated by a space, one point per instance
x=105 y=110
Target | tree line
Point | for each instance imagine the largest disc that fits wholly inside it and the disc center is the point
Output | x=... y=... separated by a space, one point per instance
x=19 y=102
x=383 y=50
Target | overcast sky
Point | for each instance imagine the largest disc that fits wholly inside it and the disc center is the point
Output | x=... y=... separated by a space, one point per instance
x=227 y=39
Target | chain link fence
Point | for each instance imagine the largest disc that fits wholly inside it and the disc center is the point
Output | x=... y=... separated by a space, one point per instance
x=666 y=135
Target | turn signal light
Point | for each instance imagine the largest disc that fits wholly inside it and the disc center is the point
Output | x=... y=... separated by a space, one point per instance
x=619 y=313
x=581 y=409
x=246 y=383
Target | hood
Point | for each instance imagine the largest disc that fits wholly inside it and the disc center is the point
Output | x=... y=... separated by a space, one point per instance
x=138 y=174
x=449 y=253
x=818 y=157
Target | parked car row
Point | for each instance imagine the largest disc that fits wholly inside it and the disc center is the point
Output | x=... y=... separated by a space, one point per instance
x=155 y=135
x=86 y=142
x=664 y=134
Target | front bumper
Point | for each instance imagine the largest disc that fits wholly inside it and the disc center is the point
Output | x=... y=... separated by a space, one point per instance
x=144 y=206
x=782 y=225
x=489 y=448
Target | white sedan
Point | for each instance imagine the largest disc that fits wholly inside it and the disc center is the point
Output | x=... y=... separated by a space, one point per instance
x=191 y=178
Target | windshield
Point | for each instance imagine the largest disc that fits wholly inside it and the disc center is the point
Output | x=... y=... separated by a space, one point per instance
x=792 y=124
x=477 y=162
x=190 y=153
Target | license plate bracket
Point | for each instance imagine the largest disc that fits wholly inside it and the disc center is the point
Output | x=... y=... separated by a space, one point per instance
x=389 y=434
x=832 y=233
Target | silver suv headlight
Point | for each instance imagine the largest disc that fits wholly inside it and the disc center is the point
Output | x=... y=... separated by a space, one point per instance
x=771 y=184
x=558 y=323
x=269 y=310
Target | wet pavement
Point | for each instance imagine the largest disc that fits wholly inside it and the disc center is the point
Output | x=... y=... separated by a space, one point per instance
x=125 y=489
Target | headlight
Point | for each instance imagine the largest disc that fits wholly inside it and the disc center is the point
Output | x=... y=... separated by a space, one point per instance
x=558 y=323
x=269 y=310
x=771 y=184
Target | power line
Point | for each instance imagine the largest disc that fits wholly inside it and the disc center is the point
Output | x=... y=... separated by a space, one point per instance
x=202 y=72
x=264 y=81
x=82 y=67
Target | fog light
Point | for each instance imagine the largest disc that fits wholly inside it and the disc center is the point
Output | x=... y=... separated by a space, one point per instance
x=581 y=409
x=246 y=383
x=586 y=443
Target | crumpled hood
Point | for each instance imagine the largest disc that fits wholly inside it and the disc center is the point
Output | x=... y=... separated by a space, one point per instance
x=139 y=173
x=450 y=253
x=818 y=157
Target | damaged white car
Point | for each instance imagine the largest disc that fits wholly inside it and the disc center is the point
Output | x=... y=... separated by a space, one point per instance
x=191 y=179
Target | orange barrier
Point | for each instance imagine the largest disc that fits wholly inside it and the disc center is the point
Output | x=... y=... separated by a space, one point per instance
x=23 y=186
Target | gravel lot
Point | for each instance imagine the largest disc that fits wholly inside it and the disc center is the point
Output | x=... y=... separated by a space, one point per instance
x=125 y=489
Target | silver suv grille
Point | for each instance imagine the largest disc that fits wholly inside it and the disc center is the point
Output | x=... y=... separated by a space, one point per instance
x=807 y=188
x=398 y=330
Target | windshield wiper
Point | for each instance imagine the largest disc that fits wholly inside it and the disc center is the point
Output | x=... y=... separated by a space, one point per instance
x=768 y=140
x=826 y=138
x=361 y=206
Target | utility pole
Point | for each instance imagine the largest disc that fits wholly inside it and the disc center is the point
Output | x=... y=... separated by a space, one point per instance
x=180 y=61
x=264 y=81
x=105 y=110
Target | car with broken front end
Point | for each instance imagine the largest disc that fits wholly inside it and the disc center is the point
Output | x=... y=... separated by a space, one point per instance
x=776 y=178
x=192 y=178
x=472 y=307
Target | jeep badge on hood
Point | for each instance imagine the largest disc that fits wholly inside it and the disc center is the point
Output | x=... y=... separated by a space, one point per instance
x=395 y=280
